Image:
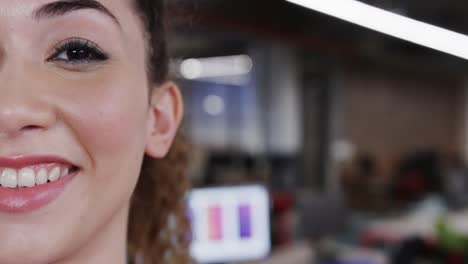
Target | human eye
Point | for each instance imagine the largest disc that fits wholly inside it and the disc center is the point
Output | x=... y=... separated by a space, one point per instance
x=77 y=51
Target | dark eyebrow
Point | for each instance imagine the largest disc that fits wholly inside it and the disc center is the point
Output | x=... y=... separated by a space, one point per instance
x=63 y=7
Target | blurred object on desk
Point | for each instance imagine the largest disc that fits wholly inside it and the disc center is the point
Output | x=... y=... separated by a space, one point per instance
x=321 y=216
x=299 y=253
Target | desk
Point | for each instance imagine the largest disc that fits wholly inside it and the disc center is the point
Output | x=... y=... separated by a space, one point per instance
x=300 y=253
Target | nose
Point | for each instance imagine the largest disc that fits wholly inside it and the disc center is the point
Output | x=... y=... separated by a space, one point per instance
x=25 y=104
x=22 y=111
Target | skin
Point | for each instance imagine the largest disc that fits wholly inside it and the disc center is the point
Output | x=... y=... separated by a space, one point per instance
x=100 y=116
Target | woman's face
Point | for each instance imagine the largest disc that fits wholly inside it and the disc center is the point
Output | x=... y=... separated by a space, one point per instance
x=73 y=96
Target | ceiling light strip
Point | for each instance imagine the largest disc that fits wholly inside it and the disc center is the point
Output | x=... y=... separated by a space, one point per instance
x=392 y=24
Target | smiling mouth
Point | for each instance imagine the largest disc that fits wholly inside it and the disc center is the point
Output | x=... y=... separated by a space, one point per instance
x=34 y=175
x=31 y=182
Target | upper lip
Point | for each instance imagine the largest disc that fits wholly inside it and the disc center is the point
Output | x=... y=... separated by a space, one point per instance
x=25 y=161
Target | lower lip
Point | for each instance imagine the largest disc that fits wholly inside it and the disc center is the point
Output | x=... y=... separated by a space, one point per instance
x=24 y=200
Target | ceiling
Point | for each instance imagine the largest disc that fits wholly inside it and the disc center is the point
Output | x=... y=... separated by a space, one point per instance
x=226 y=25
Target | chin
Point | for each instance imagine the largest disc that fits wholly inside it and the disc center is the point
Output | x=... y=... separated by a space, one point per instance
x=34 y=241
x=21 y=254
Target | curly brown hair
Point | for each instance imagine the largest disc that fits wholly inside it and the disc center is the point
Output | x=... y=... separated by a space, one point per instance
x=158 y=227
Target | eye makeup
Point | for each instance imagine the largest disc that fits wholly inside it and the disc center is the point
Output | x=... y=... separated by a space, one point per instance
x=78 y=51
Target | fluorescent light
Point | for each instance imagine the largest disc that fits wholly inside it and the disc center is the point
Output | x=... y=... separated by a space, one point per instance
x=392 y=24
x=213 y=67
x=191 y=68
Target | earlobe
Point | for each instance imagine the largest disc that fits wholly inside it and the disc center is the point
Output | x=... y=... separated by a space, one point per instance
x=166 y=111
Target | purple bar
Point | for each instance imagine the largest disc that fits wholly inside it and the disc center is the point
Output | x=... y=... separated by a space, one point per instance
x=245 y=224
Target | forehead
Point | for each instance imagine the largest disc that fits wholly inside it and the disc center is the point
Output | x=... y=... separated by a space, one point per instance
x=123 y=9
x=113 y=13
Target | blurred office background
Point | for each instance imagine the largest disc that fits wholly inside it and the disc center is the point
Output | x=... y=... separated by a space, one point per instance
x=361 y=139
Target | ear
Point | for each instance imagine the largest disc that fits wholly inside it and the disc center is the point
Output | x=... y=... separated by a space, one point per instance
x=166 y=111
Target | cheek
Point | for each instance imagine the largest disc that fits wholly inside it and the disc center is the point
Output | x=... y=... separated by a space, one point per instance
x=108 y=117
x=111 y=121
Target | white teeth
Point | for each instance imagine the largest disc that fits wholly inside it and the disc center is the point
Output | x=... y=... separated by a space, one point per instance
x=26 y=177
x=54 y=174
x=41 y=177
x=8 y=178
x=31 y=176
x=64 y=172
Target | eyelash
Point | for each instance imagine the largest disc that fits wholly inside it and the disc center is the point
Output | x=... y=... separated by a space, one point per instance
x=95 y=54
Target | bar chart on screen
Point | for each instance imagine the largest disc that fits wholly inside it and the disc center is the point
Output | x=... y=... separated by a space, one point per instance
x=229 y=224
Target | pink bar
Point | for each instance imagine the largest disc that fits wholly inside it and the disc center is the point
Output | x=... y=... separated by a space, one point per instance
x=215 y=224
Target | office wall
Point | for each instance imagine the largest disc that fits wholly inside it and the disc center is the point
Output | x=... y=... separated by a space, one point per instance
x=389 y=114
x=464 y=120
